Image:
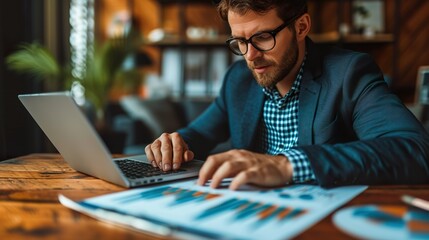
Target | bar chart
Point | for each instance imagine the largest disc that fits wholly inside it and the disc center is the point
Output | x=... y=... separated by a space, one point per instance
x=239 y=208
x=181 y=195
x=244 y=209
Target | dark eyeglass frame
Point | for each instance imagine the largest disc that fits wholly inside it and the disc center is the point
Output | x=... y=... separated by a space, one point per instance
x=273 y=33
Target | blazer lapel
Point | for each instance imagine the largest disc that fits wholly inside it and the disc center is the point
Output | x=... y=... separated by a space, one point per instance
x=251 y=115
x=309 y=95
x=308 y=98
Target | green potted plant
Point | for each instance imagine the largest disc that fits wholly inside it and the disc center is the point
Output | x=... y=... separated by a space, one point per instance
x=104 y=70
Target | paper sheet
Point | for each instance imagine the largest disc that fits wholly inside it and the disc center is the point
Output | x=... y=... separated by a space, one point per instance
x=250 y=213
x=384 y=222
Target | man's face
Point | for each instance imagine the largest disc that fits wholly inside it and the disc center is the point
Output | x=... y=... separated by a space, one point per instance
x=272 y=66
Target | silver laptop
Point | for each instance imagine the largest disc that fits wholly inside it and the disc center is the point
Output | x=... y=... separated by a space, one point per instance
x=72 y=134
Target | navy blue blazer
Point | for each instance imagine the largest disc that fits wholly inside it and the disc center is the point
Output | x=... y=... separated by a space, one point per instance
x=352 y=128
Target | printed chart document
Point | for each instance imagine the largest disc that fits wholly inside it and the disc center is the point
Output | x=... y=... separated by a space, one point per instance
x=186 y=208
x=383 y=222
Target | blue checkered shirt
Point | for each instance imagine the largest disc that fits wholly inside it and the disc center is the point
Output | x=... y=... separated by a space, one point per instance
x=279 y=129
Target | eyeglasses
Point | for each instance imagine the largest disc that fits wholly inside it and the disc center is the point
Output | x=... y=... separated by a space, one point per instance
x=262 y=41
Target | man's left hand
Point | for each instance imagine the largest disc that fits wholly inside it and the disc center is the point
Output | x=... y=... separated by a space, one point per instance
x=246 y=167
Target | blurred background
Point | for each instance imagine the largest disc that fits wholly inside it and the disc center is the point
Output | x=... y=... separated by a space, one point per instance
x=142 y=67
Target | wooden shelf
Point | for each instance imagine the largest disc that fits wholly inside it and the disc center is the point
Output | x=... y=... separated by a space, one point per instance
x=185 y=1
x=330 y=37
x=377 y=38
x=177 y=42
x=334 y=37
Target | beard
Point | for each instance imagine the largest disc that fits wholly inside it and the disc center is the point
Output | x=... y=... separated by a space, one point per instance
x=281 y=69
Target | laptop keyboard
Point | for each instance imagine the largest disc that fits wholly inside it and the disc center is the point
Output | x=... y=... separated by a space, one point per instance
x=136 y=169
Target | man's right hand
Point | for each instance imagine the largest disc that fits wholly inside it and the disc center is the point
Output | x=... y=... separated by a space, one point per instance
x=168 y=152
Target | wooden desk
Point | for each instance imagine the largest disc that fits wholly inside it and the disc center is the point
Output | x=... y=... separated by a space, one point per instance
x=29 y=207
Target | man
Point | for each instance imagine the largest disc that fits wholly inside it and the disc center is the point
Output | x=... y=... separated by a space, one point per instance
x=297 y=113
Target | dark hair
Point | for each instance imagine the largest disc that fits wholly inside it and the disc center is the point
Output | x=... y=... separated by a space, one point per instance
x=286 y=9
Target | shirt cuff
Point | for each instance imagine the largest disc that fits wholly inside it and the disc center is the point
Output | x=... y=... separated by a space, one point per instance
x=302 y=171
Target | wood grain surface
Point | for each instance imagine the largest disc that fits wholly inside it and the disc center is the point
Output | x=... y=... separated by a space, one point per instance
x=29 y=207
